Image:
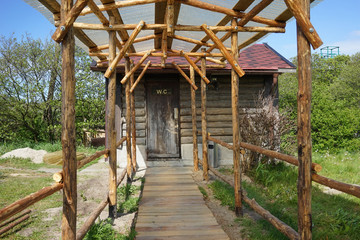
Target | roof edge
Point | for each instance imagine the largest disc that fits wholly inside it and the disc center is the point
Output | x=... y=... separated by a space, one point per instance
x=281 y=56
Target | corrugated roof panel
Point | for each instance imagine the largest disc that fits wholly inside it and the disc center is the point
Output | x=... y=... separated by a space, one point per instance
x=188 y=15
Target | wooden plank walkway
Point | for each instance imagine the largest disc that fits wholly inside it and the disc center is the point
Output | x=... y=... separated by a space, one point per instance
x=172 y=207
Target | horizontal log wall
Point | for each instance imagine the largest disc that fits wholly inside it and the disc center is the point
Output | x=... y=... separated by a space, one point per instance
x=218 y=105
x=140 y=113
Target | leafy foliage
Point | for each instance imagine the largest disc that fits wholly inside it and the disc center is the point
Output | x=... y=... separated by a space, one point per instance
x=30 y=91
x=335 y=115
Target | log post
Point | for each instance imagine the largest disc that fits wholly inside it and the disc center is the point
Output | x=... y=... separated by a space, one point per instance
x=133 y=124
x=111 y=124
x=304 y=129
x=128 y=120
x=193 y=118
x=235 y=122
x=68 y=223
x=203 y=120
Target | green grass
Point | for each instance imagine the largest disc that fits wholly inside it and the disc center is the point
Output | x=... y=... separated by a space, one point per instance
x=16 y=184
x=103 y=230
x=20 y=177
x=203 y=192
x=24 y=163
x=344 y=166
x=334 y=216
x=128 y=203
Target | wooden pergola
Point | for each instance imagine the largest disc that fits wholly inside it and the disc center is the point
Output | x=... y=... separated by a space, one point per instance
x=164 y=37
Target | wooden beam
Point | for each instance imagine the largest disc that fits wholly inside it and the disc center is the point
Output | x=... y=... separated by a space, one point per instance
x=119 y=4
x=111 y=126
x=277 y=223
x=273 y=154
x=177 y=6
x=95 y=9
x=164 y=47
x=190 y=40
x=230 y=12
x=68 y=135
x=160 y=9
x=117 y=27
x=233 y=62
x=101 y=27
x=27 y=201
x=230 y=28
x=167 y=65
x=343 y=187
x=106 y=46
x=203 y=77
x=236 y=123
x=133 y=69
x=170 y=18
x=192 y=84
x=193 y=120
x=169 y=54
x=304 y=22
x=118 y=19
x=304 y=128
x=140 y=77
x=95 y=214
x=253 y=12
x=67 y=21
x=258 y=8
x=128 y=120
x=131 y=39
x=204 y=121
x=54 y=7
x=240 y=6
x=133 y=123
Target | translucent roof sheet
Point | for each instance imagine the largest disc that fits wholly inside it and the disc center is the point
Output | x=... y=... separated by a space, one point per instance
x=188 y=15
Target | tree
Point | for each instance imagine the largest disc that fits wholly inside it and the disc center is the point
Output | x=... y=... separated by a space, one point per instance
x=335 y=120
x=29 y=83
x=30 y=90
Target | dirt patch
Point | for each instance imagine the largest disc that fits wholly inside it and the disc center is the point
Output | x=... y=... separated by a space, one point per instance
x=36 y=156
x=224 y=216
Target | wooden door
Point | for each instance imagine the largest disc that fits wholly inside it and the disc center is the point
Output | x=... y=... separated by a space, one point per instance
x=163 y=118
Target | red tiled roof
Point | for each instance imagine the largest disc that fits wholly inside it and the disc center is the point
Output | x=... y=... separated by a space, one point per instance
x=255 y=57
x=262 y=57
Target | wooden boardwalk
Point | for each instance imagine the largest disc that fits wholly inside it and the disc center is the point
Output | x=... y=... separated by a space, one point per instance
x=172 y=207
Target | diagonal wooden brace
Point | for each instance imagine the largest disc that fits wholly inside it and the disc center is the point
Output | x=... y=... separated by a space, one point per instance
x=304 y=23
x=126 y=47
x=191 y=62
x=65 y=25
x=140 y=77
x=185 y=76
x=127 y=76
x=233 y=62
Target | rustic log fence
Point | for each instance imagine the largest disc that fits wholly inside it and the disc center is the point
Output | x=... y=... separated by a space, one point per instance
x=277 y=223
x=9 y=211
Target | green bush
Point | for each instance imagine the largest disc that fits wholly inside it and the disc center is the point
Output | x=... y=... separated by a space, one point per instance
x=335 y=119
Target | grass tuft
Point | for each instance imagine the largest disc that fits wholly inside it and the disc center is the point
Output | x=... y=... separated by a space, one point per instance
x=203 y=192
x=334 y=216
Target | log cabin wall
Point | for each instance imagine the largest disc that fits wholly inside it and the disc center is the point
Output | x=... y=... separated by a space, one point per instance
x=140 y=116
x=219 y=119
x=218 y=112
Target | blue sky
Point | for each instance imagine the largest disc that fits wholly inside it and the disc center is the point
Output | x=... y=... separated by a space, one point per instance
x=337 y=22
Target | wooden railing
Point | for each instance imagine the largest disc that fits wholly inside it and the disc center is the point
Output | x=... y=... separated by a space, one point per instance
x=20 y=205
x=277 y=223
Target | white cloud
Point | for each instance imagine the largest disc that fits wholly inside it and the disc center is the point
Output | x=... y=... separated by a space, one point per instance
x=355 y=33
